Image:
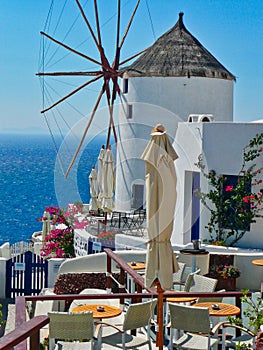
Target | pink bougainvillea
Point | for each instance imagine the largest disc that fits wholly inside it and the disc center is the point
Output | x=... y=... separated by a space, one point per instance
x=60 y=242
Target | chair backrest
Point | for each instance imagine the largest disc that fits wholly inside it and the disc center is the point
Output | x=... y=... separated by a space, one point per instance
x=217 y=299
x=178 y=276
x=199 y=283
x=189 y=318
x=106 y=301
x=139 y=315
x=93 y=291
x=72 y=326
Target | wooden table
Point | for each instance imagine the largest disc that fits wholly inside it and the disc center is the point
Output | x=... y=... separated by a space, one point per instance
x=139 y=265
x=258 y=262
x=109 y=311
x=178 y=299
x=223 y=311
x=181 y=299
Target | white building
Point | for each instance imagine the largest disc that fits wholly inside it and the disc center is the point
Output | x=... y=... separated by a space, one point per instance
x=177 y=77
x=221 y=145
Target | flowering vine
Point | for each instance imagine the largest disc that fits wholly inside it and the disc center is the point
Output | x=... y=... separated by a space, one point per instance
x=59 y=243
x=233 y=208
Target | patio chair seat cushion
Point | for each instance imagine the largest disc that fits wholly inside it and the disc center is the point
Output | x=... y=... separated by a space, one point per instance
x=194 y=341
x=62 y=345
x=131 y=341
x=243 y=338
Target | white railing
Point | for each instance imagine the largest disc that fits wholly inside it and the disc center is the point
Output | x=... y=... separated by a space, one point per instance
x=21 y=247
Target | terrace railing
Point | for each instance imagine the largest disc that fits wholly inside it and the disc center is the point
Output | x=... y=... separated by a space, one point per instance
x=31 y=329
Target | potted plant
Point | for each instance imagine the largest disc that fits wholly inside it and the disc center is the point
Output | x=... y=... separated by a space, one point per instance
x=229 y=272
x=226 y=276
x=235 y=205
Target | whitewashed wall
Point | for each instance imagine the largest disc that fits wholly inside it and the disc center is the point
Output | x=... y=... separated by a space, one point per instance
x=188 y=145
x=168 y=101
x=183 y=96
x=221 y=145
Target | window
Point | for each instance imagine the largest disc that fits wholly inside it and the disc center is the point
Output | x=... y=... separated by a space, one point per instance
x=129 y=111
x=125 y=86
x=137 y=196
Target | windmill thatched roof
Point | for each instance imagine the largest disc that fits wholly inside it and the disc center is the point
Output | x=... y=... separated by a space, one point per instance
x=178 y=53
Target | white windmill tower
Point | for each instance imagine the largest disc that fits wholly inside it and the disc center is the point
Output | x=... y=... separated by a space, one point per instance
x=176 y=77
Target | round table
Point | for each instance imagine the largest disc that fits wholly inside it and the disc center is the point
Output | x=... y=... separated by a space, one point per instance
x=223 y=310
x=139 y=265
x=181 y=299
x=258 y=262
x=109 y=311
x=194 y=253
x=178 y=299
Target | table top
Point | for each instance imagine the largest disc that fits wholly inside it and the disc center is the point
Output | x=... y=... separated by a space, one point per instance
x=109 y=311
x=191 y=251
x=258 y=262
x=181 y=299
x=224 y=309
x=178 y=299
x=139 y=265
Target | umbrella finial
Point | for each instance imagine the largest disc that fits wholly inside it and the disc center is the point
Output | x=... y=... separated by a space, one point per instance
x=159 y=129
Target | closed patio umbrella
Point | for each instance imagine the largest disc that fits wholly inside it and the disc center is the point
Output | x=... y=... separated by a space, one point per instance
x=100 y=174
x=161 y=262
x=46 y=225
x=93 y=183
x=108 y=181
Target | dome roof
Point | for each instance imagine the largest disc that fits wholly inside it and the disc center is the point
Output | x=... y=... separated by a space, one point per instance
x=177 y=53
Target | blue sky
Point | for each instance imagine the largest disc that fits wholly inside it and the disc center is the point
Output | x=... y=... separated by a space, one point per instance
x=232 y=30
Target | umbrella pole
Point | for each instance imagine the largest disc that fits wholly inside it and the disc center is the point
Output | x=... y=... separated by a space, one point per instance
x=105 y=221
x=159 y=335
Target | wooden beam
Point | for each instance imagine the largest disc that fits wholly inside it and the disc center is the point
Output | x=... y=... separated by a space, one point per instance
x=88 y=24
x=85 y=131
x=70 y=49
x=129 y=24
x=57 y=74
x=71 y=93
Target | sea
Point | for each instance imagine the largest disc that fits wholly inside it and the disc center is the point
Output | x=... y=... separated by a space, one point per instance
x=29 y=182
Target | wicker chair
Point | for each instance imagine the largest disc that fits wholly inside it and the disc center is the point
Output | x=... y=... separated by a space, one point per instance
x=137 y=316
x=199 y=283
x=247 y=337
x=195 y=324
x=178 y=276
x=71 y=327
x=216 y=299
x=79 y=302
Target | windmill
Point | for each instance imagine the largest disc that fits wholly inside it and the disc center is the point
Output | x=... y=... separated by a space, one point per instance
x=107 y=72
